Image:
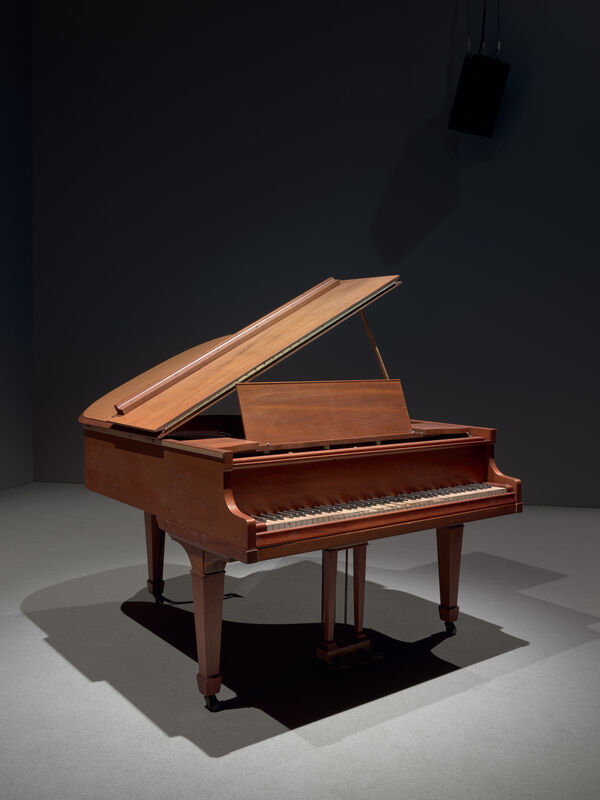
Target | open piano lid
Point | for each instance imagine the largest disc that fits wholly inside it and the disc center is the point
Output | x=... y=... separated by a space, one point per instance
x=159 y=400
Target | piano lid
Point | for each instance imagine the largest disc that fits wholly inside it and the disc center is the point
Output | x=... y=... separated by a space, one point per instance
x=159 y=400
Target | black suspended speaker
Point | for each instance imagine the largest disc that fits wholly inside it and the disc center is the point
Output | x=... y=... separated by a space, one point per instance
x=480 y=86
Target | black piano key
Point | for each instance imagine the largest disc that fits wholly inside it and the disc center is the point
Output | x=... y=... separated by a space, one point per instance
x=367 y=503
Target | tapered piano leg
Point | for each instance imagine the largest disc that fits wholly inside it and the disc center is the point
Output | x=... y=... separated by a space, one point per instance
x=208 y=580
x=155 y=548
x=330 y=560
x=449 y=544
x=359 y=559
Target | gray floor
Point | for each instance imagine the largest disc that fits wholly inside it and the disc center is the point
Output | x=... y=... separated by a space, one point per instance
x=98 y=686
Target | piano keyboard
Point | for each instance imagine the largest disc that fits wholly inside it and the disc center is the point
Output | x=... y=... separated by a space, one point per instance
x=293 y=518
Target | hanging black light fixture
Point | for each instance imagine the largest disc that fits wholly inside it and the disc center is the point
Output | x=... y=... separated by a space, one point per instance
x=480 y=86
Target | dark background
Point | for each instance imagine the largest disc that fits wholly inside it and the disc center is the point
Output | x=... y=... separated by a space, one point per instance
x=197 y=163
x=16 y=439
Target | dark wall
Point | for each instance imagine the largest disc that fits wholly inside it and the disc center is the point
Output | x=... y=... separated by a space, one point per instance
x=16 y=453
x=196 y=164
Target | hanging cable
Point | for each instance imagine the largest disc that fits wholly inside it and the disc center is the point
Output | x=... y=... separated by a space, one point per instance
x=468 y=27
x=160 y=599
x=498 y=33
x=481 y=49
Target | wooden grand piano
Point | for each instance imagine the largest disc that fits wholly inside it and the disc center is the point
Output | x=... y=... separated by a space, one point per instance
x=307 y=466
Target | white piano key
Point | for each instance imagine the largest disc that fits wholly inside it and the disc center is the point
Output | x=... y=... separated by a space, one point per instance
x=288 y=519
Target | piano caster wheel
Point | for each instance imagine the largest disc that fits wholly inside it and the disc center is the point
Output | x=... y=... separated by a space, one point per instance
x=212 y=703
x=450 y=628
x=159 y=599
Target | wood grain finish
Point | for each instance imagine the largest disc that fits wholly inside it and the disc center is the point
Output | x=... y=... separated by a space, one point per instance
x=187 y=396
x=155 y=550
x=449 y=544
x=207 y=499
x=204 y=492
x=225 y=444
x=222 y=347
x=177 y=485
x=274 y=484
x=329 y=580
x=208 y=581
x=359 y=564
x=331 y=649
x=287 y=413
x=495 y=476
x=103 y=409
x=342 y=452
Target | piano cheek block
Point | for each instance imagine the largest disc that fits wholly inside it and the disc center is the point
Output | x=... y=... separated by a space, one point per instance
x=324 y=465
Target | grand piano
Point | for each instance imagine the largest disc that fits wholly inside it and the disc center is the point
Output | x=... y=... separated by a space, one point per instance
x=306 y=466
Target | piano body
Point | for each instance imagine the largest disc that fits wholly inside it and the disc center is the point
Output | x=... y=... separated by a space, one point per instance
x=308 y=466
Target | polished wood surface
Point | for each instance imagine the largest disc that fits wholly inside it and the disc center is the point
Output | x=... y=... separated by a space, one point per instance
x=291 y=413
x=155 y=551
x=173 y=484
x=237 y=359
x=103 y=409
x=341 y=451
x=274 y=482
x=225 y=444
x=359 y=564
x=208 y=580
x=330 y=649
x=449 y=544
x=221 y=348
x=329 y=581
x=310 y=445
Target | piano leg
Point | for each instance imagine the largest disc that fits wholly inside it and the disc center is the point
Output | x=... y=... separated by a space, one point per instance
x=449 y=544
x=359 y=562
x=329 y=580
x=208 y=580
x=155 y=548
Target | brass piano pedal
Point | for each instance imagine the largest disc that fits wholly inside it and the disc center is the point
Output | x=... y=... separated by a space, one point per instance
x=334 y=652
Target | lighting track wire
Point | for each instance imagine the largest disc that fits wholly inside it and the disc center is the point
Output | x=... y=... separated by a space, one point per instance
x=498 y=41
x=468 y=27
x=481 y=48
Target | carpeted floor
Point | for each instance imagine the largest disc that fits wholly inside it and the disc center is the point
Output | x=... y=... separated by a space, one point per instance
x=98 y=687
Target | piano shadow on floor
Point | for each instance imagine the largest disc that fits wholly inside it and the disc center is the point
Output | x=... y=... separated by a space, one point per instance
x=272 y=680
